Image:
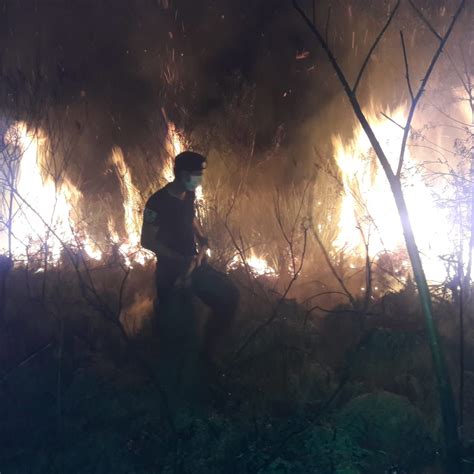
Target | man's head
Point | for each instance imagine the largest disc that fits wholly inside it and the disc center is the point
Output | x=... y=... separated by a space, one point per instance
x=188 y=169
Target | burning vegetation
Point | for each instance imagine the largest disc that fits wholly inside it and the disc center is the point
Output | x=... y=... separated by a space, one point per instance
x=338 y=199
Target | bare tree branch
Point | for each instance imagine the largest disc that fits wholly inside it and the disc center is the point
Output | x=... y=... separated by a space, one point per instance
x=421 y=90
x=465 y=80
x=391 y=120
x=25 y=362
x=407 y=68
x=374 y=45
x=425 y=20
x=274 y=314
x=450 y=117
x=447 y=406
x=348 y=90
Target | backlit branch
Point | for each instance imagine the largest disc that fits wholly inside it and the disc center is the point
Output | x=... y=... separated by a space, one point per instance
x=333 y=269
x=447 y=407
x=425 y=20
x=348 y=90
x=374 y=45
x=424 y=81
x=407 y=68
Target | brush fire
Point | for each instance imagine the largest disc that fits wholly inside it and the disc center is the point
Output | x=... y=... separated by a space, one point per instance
x=237 y=237
x=45 y=214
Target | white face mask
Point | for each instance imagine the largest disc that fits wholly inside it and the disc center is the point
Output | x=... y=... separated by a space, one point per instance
x=193 y=182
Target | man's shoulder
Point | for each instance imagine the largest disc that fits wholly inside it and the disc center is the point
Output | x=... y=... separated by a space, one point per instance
x=157 y=198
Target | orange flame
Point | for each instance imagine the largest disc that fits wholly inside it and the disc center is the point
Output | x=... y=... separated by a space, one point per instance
x=41 y=204
x=257 y=265
x=368 y=204
x=132 y=205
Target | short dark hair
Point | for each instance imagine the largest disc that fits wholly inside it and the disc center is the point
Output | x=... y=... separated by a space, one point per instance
x=189 y=161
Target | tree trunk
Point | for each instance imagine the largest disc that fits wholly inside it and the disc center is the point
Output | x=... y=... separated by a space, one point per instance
x=448 y=410
x=5 y=264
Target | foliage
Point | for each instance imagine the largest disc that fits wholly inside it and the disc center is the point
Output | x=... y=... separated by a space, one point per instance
x=92 y=406
x=389 y=427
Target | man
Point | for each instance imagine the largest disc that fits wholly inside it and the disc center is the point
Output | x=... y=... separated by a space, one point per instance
x=170 y=229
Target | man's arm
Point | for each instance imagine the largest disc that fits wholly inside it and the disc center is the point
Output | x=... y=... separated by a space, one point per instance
x=150 y=242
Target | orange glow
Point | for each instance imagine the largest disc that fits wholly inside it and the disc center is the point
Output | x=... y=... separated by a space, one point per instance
x=130 y=246
x=53 y=204
x=174 y=146
x=368 y=204
x=257 y=265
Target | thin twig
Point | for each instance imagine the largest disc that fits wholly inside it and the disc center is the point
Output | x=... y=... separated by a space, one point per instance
x=391 y=120
x=88 y=291
x=349 y=93
x=333 y=269
x=464 y=80
x=274 y=313
x=425 y=20
x=449 y=117
x=25 y=362
x=445 y=388
x=407 y=69
x=368 y=272
x=424 y=81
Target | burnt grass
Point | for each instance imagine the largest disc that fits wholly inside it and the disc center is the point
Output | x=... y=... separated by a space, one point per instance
x=335 y=393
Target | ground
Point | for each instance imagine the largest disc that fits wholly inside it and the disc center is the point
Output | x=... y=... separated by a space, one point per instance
x=340 y=393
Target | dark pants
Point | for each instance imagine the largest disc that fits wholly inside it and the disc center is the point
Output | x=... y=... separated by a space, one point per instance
x=214 y=288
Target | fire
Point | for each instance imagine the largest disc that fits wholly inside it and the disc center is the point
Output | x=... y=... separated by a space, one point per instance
x=46 y=211
x=174 y=146
x=40 y=203
x=368 y=205
x=44 y=208
x=132 y=206
x=257 y=265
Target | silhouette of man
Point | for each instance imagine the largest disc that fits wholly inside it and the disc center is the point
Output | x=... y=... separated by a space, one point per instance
x=171 y=229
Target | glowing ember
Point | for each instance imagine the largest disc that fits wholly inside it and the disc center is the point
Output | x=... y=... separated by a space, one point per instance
x=174 y=146
x=368 y=204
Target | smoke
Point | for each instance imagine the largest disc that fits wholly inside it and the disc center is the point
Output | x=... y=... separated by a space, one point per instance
x=246 y=81
x=112 y=66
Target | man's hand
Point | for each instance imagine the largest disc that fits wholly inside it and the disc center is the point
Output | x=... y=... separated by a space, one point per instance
x=203 y=256
x=184 y=280
x=191 y=264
